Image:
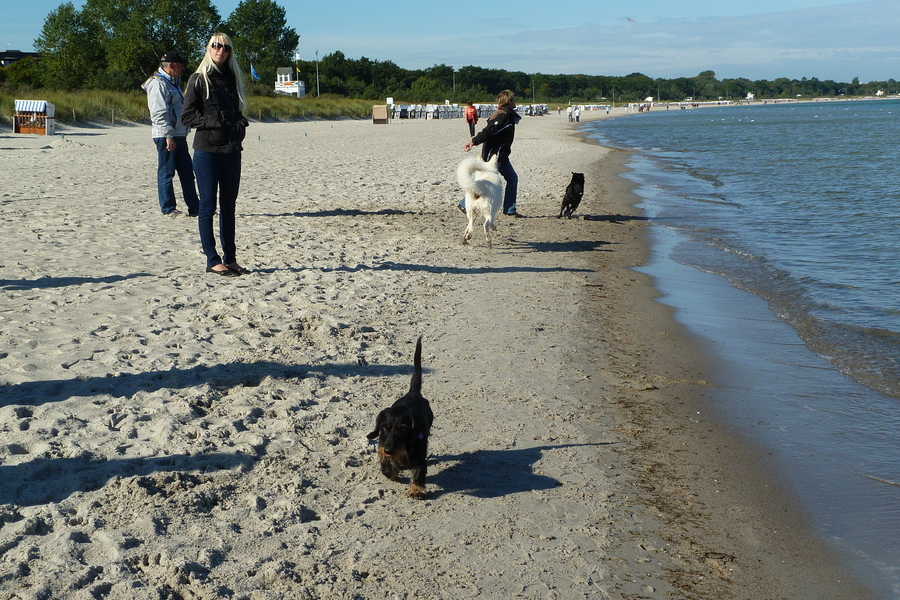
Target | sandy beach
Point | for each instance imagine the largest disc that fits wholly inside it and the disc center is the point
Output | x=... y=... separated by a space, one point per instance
x=167 y=433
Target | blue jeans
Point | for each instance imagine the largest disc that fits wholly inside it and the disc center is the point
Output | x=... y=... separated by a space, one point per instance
x=512 y=186
x=218 y=180
x=178 y=160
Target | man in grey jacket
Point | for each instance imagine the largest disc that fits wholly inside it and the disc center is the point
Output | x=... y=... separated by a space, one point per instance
x=165 y=100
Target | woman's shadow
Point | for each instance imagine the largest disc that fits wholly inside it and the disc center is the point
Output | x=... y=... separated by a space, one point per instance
x=493 y=473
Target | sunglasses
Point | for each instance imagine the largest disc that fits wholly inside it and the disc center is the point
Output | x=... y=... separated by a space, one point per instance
x=218 y=46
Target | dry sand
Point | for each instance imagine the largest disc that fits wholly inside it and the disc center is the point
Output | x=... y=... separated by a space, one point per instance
x=168 y=433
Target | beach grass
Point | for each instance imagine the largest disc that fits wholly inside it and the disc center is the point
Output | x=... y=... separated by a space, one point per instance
x=107 y=107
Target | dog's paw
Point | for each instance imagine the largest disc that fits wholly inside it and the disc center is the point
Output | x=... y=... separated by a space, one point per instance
x=389 y=470
x=417 y=491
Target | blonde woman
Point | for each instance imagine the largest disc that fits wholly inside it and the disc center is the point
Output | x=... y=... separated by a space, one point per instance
x=213 y=107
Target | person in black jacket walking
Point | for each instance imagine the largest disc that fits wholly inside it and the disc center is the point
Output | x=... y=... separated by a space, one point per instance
x=213 y=105
x=497 y=138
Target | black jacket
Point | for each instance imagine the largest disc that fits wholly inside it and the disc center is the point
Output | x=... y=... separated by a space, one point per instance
x=498 y=134
x=202 y=111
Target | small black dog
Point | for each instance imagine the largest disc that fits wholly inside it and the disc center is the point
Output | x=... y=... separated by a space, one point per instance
x=572 y=199
x=402 y=431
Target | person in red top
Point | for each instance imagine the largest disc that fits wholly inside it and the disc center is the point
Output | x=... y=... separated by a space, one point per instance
x=471 y=118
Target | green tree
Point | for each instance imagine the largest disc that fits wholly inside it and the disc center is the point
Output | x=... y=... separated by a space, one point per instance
x=135 y=33
x=332 y=71
x=68 y=49
x=427 y=89
x=261 y=36
x=116 y=44
x=23 y=73
x=442 y=74
x=388 y=79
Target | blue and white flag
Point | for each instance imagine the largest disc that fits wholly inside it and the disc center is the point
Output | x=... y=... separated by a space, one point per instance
x=253 y=72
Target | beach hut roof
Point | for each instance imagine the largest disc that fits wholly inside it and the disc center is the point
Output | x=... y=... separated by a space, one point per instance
x=32 y=105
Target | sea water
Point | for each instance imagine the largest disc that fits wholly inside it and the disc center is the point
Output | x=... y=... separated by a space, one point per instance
x=776 y=233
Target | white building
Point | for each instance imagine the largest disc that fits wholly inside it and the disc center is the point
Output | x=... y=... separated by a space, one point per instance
x=285 y=84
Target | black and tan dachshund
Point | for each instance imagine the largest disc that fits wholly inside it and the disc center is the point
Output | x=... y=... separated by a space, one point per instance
x=402 y=431
x=572 y=199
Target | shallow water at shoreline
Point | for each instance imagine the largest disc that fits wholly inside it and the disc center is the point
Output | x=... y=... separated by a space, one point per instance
x=833 y=440
x=782 y=397
x=795 y=204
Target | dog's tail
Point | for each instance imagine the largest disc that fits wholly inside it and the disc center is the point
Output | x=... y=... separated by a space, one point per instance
x=465 y=174
x=416 y=385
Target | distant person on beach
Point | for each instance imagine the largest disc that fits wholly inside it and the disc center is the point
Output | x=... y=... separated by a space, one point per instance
x=213 y=105
x=569 y=113
x=576 y=112
x=165 y=101
x=497 y=138
x=471 y=117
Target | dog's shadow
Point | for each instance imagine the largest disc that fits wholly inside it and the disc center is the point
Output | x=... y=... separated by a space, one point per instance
x=492 y=473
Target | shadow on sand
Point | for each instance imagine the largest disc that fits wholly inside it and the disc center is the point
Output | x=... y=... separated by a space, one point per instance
x=32 y=393
x=45 y=480
x=494 y=473
x=44 y=283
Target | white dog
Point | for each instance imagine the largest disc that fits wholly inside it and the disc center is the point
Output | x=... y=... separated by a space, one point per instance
x=484 y=193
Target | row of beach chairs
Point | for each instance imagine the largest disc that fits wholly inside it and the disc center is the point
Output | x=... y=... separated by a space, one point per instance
x=451 y=111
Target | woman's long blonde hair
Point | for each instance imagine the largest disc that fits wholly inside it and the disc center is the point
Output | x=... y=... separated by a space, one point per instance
x=207 y=64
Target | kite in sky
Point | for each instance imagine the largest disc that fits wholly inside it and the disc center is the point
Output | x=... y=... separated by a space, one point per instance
x=630 y=19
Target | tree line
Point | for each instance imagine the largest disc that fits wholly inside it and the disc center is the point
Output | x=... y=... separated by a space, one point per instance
x=116 y=44
x=370 y=79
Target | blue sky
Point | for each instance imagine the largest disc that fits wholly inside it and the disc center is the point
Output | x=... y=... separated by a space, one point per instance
x=759 y=39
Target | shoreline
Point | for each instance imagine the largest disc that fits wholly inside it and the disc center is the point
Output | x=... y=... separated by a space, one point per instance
x=724 y=509
x=170 y=432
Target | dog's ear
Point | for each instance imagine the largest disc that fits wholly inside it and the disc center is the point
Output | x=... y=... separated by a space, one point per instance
x=379 y=422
